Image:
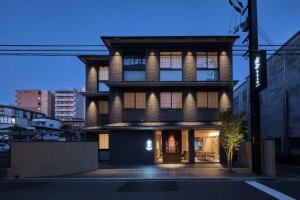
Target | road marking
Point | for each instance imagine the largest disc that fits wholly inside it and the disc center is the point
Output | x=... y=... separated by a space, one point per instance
x=270 y=191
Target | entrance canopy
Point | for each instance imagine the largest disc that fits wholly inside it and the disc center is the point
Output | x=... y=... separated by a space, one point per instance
x=160 y=125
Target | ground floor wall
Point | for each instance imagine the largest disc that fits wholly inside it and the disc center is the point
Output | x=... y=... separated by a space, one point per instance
x=130 y=147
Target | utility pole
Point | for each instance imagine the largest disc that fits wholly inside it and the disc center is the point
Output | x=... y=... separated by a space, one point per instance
x=254 y=93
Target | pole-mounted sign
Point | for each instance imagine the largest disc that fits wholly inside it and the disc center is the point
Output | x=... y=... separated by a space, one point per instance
x=260 y=70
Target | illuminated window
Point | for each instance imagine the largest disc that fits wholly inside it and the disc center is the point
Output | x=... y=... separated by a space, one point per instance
x=103 y=73
x=170 y=66
x=135 y=100
x=103 y=107
x=212 y=100
x=202 y=99
x=165 y=100
x=171 y=100
x=207 y=99
x=129 y=99
x=103 y=141
x=207 y=66
x=140 y=100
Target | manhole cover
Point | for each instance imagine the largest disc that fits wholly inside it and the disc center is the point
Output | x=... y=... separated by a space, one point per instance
x=149 y=186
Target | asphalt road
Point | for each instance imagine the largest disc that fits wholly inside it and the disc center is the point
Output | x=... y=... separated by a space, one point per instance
x=173 y=190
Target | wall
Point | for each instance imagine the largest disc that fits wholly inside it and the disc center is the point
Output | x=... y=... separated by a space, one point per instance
x=128 y=147
x=35 y=159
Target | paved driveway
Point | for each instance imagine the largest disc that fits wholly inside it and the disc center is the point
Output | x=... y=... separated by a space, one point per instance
x=163 y=171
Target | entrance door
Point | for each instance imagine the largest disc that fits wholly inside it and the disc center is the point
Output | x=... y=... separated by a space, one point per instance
x=171 y=145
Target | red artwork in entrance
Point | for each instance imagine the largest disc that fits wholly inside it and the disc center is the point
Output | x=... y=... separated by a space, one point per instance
x=171 y=144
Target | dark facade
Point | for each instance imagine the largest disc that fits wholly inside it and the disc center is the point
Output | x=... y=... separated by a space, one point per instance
x=158 y=99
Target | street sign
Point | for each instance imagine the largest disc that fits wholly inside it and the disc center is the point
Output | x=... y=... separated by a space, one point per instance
x=260 y=70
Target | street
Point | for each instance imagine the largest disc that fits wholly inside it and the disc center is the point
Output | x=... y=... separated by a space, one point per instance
x=198 y=189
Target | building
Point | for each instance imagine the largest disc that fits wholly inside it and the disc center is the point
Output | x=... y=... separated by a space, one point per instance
x=157 y=99
x=12 y=115
x=241 y=104
x=46 y=122
x=280 y=117
x=36 y=100
x=69 y=104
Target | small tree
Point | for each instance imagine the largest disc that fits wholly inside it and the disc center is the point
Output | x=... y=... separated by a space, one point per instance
x=231 y=135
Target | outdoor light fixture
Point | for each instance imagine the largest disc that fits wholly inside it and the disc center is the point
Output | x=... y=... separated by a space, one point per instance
x=149 y=145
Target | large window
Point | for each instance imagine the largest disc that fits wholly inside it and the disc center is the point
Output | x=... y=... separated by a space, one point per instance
x=207 y=99
x=207 y=66
x=135 y=100
x=170 y=66
x=103 y=77
x=172 y=100
x=134 y=68
x=103 y=107
x=103 y=141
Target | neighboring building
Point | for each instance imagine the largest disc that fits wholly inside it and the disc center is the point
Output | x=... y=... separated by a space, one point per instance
x=12 y=115
x=241 y=103
x=46 y=123
x=36 y=100
x=280 y=118
x=73 y=124
x=69 y=104
x=157 y=99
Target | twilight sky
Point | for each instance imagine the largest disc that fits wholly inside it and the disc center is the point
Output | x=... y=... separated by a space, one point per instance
x=84 y=21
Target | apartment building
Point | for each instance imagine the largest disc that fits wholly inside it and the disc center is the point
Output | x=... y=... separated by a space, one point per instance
x=69 y=104
x=36 y=100
x=157 y=99
x=279 y=101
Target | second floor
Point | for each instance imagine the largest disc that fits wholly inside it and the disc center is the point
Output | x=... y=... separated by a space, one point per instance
x=160 y=60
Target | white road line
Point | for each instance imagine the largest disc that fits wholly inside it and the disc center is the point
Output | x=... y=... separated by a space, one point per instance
x=270 y=191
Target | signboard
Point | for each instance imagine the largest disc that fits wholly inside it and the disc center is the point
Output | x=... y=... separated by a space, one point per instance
x=260 y=70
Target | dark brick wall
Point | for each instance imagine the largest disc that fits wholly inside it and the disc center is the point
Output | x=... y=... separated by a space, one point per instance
x=91 y=113
x=189 y=66
x=189 y=105
x=116 y=67
x=225 y=65
x=152 y=110
x=115 y=106
x=152 y=67
x=91 y=78
x=128 y=147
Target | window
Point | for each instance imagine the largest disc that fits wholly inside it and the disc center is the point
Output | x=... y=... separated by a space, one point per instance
x=170 y=66
x=102 y=87
x=207 y=66
x=207 y=99
x=135 y=100
x=103 y=74
x=134 y=68
x=103 y=141
x=103 y=77
x=103 y=107
x=171 y=100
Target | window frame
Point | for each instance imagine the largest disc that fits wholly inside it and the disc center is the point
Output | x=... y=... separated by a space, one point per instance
x=102 y=81
x=170 y=68
x=134 y=67
x=207 y=68
x=171 y=103
x=135 y=100
x=207 y=100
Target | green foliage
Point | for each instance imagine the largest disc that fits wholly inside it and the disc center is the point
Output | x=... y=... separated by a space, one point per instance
x=231 y=135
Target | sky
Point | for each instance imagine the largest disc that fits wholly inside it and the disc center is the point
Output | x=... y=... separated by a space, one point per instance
x=84 y=21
